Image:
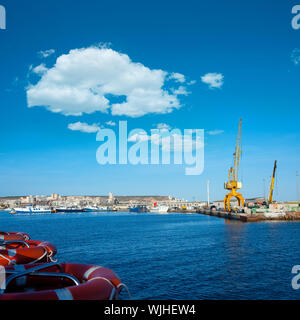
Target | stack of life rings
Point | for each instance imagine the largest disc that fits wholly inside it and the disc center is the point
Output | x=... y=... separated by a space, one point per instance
x=31 y=273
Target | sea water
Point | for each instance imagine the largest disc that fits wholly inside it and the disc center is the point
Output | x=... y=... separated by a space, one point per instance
x=175 y=256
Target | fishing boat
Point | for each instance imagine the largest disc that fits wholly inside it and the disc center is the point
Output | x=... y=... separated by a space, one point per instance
x=138 y=209
x=31 y=210
x=159 y=209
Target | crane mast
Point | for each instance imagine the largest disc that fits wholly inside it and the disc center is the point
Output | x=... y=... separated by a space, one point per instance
x=233 y=184
x=234 y=171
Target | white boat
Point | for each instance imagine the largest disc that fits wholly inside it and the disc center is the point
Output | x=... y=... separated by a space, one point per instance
x=31 y=210
x=95 y=209
x=159 y=209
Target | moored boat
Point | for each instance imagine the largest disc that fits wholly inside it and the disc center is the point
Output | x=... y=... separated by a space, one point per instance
x=95 y=209
x=159 y=209
x=31 y=210
x=138 y=209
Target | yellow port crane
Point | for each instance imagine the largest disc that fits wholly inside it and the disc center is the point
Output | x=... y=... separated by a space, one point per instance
x=233 y=184
x=272 y=183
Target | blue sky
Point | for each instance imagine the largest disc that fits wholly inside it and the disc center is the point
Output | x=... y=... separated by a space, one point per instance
x=249 y=44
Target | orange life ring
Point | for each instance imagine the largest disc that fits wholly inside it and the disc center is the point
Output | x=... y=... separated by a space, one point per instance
x=10 y=235
x=29 y=252
x=61 y=281
x=13 y=244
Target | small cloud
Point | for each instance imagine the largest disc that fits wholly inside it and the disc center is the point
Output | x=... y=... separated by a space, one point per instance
x=39 y=69
x=84 y=127
x=180 y=91
x=215 y=132
x=163 y=126
x=110 y=123
x=178 y=77
x=46 y=53
x=178 y=142
x=191 y=82
x=214 y=80
x=138 y=137
x=295 y=56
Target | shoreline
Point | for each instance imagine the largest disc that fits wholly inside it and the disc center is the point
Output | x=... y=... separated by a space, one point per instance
x=241 y=217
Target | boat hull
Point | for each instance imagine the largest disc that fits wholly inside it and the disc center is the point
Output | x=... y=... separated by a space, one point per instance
x=31 y=212
x=95 y=210
x=139 y=209
x=69 y=210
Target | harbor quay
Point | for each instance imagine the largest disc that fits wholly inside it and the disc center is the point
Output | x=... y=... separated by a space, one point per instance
x=254 y=209
x=248 y=216
x=109 y=202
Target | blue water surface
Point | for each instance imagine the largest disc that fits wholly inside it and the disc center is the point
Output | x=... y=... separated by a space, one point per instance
x=175 y=256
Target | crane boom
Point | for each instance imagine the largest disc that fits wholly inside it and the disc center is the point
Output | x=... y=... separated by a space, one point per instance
x=272 y=182
x=234 y=171
x=238 y=151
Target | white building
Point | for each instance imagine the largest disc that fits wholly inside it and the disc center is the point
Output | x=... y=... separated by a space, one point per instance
x=111 y=198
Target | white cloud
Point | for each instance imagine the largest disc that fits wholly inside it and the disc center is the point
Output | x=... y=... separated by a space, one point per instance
x=84 y=127
x=46 y=53
x=110 y=123
x=180 y=91
x=178 y=77
x=40 y=69
x=137 y=137
x=91 y=79
x=295 y=56
x=214 y=80
x=215 y=132
x=177 y=142
x=191 y=82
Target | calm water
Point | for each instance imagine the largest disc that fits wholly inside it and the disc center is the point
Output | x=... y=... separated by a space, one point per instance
x=175 y=256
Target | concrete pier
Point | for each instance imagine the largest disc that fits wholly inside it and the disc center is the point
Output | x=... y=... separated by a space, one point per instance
x=243 y=217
